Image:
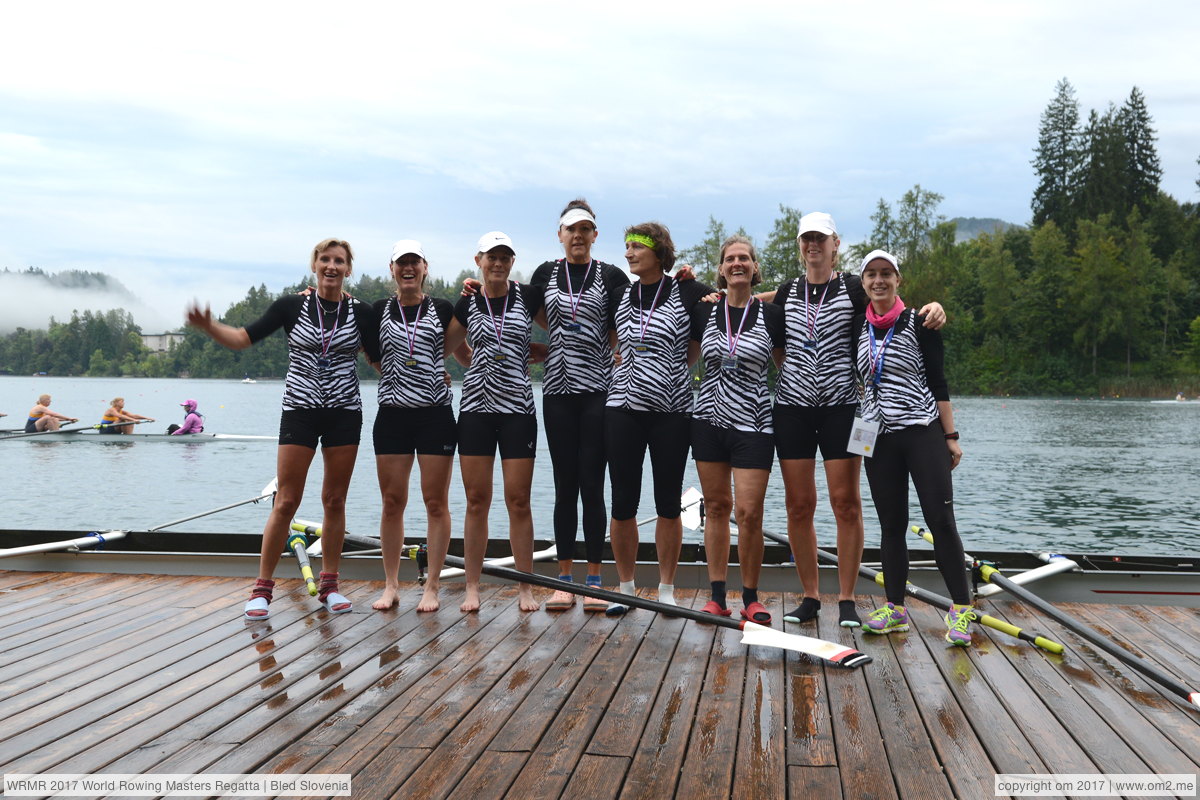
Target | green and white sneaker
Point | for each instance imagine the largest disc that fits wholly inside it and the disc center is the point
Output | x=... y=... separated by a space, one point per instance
x=888 y=619
x=958 y=623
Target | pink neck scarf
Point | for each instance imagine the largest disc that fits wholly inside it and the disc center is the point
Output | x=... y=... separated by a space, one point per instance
x=886 y=320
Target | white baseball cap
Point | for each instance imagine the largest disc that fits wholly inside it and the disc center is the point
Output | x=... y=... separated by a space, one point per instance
x=493 y=240
x=406 y=246
x=817 y=221
x=885 y=255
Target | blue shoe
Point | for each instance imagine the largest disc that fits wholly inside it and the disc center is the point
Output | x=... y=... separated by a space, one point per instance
x=958 y=622
x=888 y=619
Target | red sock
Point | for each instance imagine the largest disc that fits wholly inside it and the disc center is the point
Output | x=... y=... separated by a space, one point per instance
x=327 y=586
x=263 y=588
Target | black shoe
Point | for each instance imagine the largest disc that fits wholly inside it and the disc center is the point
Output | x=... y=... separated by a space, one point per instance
x=807 y=610
x=848 y=615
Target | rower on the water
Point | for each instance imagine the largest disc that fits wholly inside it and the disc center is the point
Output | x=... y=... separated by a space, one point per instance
x=116 y=414
x=41 y=418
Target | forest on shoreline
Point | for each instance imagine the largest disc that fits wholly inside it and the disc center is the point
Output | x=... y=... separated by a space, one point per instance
x=1099 y=295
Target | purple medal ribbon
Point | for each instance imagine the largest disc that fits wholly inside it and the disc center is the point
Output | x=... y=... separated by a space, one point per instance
x=733 y=340
x=499 y=328
x=572 y=299
x=811 y=322
x=645 y=318
x=412 y=336
x=326 y=344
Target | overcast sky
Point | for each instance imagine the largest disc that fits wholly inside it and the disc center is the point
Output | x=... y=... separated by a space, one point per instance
x=194 y=150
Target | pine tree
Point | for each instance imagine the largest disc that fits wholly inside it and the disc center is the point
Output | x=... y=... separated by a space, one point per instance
x=1057 y=159
x=1143 y=169
x=1102 y=187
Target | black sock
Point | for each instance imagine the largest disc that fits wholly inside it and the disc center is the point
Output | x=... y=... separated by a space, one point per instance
x=749 y=595
x=718 y=593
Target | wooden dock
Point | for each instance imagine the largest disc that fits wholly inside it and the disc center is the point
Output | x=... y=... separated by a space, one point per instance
x=105 y=673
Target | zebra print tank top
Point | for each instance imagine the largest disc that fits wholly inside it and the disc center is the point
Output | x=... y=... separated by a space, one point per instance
x=902 y=398
x=818 y=366
x=738 y=398
x=497 y=381
x=653 y=373
x=322 y=361
x=413 y=369
x=579 y=358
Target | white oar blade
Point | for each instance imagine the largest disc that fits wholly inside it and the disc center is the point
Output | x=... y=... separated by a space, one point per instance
x=690 y=517
x=753 y=633
x=314 y=549
x=549 y=554
x=690 y=497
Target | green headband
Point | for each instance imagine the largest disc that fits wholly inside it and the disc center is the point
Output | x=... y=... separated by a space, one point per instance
x=641 y=239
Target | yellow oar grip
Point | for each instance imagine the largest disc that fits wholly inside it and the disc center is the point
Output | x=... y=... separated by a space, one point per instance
x=1046 y=644
x=987 y=572
x=924 y=534
x=311 y=530
x=306 y=571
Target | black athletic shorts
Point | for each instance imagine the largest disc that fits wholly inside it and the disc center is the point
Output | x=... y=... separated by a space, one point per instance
x=800 y=430
x=739 y=449
x=480 y=432
x=429 y=431
x=333 y=427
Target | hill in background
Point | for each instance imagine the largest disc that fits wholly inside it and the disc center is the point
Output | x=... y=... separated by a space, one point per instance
x=970 y=227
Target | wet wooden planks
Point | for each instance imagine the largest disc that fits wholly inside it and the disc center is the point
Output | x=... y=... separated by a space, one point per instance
x=142 y=674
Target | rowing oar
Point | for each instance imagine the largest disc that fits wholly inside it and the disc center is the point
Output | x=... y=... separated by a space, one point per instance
x=937 y=601
x=92 y=539
x=990 y=574
x=268 y=491
x=1054 y=565
x=313 y=529
x=296 y=543
x=752 y=633
x=63 y=429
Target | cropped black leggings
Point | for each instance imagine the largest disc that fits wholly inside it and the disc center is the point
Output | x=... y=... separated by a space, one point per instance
x=629 y=433
x=575 y=435
x=919 y=451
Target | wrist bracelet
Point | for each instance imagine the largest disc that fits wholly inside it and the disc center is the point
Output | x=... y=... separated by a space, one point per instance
x=952 y=436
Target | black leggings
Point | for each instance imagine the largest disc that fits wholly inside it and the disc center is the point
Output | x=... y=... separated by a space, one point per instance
x=575 y=435
x=919 y=451
x=629 y=433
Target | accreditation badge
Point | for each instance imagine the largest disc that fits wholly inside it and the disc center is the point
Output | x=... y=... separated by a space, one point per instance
x=862 y=437
x=410 y=362
x=572 y=327
x=729 y=364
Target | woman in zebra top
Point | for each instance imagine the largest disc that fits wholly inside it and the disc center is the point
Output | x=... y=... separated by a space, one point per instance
x=497 y=409
x=738 y=337
x=325 y=330
x=581 y=295
x=815 y=398
x=415 y=417
x=907 y=402
x=650 y=402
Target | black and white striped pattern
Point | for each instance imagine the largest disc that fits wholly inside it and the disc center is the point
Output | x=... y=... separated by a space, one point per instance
x=657 y=378
x=309 y=385
x=491 y=386
x=578 y=361
x=737 y=399
x=421 y=385
x=821 y=375
x=902 y=398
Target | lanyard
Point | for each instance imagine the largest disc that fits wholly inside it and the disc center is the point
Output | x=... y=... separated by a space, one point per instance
x=811 y=322
x=877 y=359
x=572 y=298
x=645 y=318
x=731 y=339
x=326 y=344
x=498 y=327
x=412 y=336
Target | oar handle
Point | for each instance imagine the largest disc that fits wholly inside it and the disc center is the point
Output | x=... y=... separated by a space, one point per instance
x=296 y=544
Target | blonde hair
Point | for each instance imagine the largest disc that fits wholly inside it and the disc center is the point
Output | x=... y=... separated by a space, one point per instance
x=325 y=244
x=116 y=400
x=43 y=399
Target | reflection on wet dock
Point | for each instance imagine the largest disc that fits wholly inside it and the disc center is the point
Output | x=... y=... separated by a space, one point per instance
x=157 y=674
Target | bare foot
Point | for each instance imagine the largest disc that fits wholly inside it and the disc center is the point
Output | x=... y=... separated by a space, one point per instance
x=429 y=599
x=388 y=599
x=471 y=603
x=526 y=601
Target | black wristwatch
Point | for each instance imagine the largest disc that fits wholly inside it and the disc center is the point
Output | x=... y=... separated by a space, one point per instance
x=952 y=436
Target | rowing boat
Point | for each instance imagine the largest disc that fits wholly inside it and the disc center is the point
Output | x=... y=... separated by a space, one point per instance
x=1102 y=578
x=88 y=435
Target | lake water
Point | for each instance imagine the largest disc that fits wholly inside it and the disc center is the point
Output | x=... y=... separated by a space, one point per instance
x=1068 y=475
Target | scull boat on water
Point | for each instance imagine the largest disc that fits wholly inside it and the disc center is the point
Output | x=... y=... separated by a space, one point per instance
x=89 y=435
